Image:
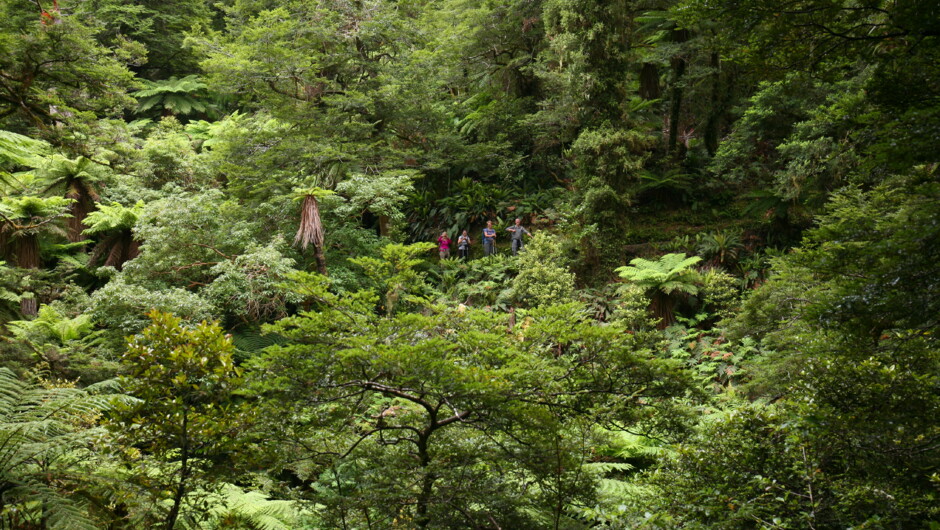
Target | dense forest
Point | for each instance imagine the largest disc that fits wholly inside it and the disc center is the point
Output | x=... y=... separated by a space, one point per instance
x=223 y=302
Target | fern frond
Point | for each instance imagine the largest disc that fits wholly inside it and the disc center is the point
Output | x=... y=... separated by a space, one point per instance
x=22 y=151
x=44 y=441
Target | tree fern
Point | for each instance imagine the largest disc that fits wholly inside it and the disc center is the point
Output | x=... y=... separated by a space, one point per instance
x=113 y=217
x=175 y=96
x=75 y=179
x=670 y=276
x=233 y=507
x=46 y=439
x=50 y=325
x=114 y=223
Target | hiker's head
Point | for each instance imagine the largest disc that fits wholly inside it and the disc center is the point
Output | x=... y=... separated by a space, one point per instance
x=518 y=221
x=489 y=224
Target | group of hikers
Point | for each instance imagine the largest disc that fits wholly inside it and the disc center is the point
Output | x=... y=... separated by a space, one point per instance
x=489 y=241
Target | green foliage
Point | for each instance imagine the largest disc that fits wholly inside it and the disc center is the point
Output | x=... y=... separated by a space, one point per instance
x=113 y=217
x=57 y=72
x=480 y=282
x=178 y=97
x=664 y=280
x=184 y=235
x=396 y=275
x=847 y=348
x=381 y=195
x=9 y=299
x=167 y=156
x=543 y=278
x=714 y=362
x=18 y=152
x=68 y=347
x=460 y=392
x=398 y=392
x=121 y=307
x=28 y=208
x=722 y=247
x=250 y=286
x=183 y=378
x=231 y=506
x=670 y=273
x=51 y=450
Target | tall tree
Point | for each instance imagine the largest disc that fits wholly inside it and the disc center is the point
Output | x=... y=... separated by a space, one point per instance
x=183 y=378
x=467 y=412
x=53 y=70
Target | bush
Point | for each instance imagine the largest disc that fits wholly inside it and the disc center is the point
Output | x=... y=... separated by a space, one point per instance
x=543 y=277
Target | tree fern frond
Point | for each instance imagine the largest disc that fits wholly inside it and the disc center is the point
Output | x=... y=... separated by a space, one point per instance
x=58 y=512
x=22 y=151
x=232 y=506
x=44 y=455
x=113 y=217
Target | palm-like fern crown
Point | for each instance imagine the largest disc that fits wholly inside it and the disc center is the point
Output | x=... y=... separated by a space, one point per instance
x=18 y=152
x=30 y=207
x=61 y=171
x=112 y=218
x=179 y=96
x=670 y=273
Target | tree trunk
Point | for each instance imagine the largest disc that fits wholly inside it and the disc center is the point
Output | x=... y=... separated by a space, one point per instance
x=675 y=105
x=184 y=476
x=321 y=259
x=661 y=305
x=79 y=210
x=422 y=519
x=383 y=225
x=678 y=64
x=714 y=114
x=649 y=81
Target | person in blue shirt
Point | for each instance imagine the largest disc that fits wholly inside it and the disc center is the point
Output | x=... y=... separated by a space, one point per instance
x=489 y=239
x=517 y=231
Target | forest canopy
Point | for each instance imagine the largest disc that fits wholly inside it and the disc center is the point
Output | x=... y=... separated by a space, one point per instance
x=469 y=264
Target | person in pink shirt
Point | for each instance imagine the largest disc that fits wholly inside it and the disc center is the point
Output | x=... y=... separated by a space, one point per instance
x=443 y=245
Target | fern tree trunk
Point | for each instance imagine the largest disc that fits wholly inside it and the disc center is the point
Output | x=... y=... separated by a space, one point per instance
x=310 y=231
x=78 y=210
x=678 y=64
x=663 y=308
x=714 y=114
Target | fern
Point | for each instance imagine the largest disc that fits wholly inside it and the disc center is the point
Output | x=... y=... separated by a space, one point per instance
x=45 y=456
x=17 y=150
x=670 y=273
x=233 y=507
x=252 y=340
x=178 y=96
x=52 y=325
x=113 y=217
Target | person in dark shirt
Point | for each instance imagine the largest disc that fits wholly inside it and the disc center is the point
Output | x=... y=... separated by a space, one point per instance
x=517 y=231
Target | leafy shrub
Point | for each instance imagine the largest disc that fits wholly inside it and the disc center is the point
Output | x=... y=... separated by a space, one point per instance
x=543 y=278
